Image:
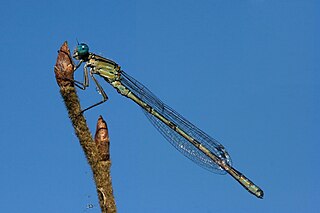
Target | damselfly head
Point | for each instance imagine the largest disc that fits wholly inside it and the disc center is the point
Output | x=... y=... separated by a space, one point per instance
x=81 y=52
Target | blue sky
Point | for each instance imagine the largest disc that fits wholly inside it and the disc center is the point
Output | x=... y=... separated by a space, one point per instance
x=246 y=72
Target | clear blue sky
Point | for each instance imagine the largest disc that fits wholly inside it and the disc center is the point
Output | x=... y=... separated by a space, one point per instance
x=246 y=72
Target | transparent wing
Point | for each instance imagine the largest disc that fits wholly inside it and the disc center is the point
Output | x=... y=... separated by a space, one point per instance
x=179 y=142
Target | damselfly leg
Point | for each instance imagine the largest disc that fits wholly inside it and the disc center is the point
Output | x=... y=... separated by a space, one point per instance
x=100 y=91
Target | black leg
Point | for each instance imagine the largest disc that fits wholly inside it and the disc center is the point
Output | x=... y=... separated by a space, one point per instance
x=100 y=90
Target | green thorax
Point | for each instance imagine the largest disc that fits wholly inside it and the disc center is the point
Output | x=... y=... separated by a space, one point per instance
x=104 y=67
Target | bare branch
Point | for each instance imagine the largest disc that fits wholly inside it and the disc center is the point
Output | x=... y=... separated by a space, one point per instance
x=97 y=152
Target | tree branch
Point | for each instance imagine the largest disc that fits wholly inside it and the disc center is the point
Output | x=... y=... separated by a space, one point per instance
x=96 y=151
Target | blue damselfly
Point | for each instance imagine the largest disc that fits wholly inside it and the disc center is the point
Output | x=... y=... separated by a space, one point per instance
x=184 y=136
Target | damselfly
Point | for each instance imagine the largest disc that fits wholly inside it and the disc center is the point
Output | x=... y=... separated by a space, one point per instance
x=184 y=136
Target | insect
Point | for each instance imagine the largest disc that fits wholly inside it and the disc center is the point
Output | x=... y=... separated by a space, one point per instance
x=184 y=136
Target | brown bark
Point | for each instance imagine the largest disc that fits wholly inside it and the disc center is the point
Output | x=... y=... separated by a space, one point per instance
x=96 y=151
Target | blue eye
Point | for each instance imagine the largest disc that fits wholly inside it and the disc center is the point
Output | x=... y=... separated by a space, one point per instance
x=81 y=52
x=83 y=49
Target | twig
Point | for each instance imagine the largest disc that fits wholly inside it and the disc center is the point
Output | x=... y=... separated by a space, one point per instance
x=96 y=151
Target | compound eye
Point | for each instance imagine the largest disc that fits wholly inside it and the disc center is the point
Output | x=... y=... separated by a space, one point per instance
x=83 y=50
